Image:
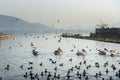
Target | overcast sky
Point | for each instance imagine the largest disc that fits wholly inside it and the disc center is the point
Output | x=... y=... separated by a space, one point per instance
x=77 y=13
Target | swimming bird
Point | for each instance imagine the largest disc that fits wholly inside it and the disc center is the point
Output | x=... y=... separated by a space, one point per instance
x=106 y=64
x=58 y=77
x=7 y=67
x=36 y=75
x=112 y=54
x=84 y=73
x=38 y=79
x=31 y=74
x=107 y=71
x=25 y=75
x=72 y=50
x=100 y=73
x=68 y=76
x=86 y=78
x=70 y=59
x=45 y=70
x=41 y=64
x=111 y=78
x=32 y=44
x=80 y=53
x=113 y=67
x=87 y=67
x=50 y=59
x=80 y=63
x=41 y=74
x=80 y=77
x=53 y=62
x=1 y=78
x=71 y=69
x=21 y=66
x=61 y=64
x=102 y=52
x=78 y=68
x=55 y=75
x=96 y=75
x=30 y=68
x=58 y=51
x=35 y=53
x=55 y=68
x=97 y=64
x=30 y=63
x=78 y=73
x=117 y=74
x=10 y=47
x=84 y=62
x=49 y=74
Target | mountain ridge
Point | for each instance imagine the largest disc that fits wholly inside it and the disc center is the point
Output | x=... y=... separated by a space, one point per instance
x=13 y=24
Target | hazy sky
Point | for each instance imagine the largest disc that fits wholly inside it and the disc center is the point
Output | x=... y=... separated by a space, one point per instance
x=84 y=13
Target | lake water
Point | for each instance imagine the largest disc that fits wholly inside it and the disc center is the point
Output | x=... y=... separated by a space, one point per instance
x=18 y=51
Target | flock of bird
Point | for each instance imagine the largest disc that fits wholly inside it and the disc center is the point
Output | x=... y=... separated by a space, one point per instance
x=75 y=72
x=79 y=74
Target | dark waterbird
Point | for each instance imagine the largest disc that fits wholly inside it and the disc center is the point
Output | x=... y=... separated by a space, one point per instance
x=34 y=52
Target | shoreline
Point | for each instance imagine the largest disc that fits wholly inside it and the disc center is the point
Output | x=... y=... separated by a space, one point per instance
x=5 y=36
x=103 y=39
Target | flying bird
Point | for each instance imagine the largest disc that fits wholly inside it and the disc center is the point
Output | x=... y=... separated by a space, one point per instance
x=58 y=21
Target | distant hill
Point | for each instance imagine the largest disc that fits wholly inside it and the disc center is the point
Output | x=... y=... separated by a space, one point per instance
x=13 y=24
x=10 y=24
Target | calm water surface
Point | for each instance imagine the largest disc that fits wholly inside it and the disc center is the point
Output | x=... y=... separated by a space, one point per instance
x=18 y=51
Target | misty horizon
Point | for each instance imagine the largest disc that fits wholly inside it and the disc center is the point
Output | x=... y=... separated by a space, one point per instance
x=71 y=14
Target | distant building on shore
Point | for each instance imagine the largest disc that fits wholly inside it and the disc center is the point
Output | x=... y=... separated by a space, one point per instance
x=104 y=31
